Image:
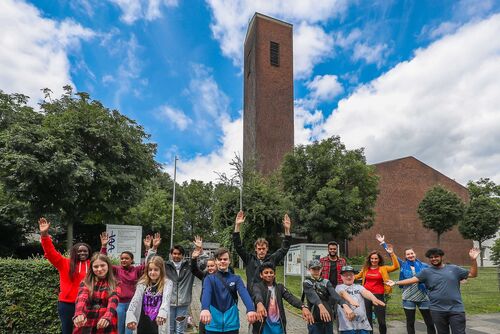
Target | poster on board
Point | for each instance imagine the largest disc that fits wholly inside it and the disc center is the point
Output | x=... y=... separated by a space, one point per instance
x=124 y=238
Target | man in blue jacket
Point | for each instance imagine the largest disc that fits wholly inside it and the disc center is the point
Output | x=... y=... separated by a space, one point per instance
x=219 y=300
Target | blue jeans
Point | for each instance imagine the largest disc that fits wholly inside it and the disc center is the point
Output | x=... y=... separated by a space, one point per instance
x=66 y=312
x=121 y=310
x=321 y=328
x=178 y=319
x=355 y=331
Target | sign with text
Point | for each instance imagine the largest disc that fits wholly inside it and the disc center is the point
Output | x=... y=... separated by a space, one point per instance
x=124 y=238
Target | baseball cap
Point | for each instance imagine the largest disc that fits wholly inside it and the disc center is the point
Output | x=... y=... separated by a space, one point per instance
x=314 y=264
x=346 y=269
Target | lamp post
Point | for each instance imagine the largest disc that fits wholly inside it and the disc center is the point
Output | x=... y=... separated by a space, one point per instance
x=173 y=206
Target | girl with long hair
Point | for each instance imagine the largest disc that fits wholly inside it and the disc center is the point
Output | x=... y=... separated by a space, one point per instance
x=128 y=275
x=71 y=270
x=374 y=275
x=414 y=295
x=149 y=309
x=97 y=300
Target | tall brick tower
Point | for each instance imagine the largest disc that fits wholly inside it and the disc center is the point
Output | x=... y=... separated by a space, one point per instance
x=268 y=93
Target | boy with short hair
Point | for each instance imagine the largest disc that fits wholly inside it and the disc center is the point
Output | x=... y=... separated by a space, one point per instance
x=318 y=292
x=268 y=298
x=359 y=324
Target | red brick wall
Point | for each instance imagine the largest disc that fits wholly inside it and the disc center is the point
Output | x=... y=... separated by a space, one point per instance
x=268 y=96
x=403 y=184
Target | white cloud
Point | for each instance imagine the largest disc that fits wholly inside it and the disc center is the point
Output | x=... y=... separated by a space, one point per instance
x=204 y=167
x=311 y=44
x=324 y=87
x=441 y=106
x=176 y=116
x=133 y=10
x=361 y=46
x=35 y=50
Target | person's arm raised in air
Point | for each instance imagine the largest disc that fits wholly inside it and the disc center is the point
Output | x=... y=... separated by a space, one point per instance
x=381 y=240
x=473 y=254
x=49 y=250
x=394 y=258
x=198 y=243
x=277 y=256
x=238 y=246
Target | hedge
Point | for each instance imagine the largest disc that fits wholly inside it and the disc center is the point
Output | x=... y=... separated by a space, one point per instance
x=28 y=296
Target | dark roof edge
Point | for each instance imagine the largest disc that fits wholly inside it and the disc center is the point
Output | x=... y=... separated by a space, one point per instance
x=269 y=18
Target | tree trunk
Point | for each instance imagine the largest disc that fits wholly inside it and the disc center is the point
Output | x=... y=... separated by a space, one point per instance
x=439 y=240
x=69 y=236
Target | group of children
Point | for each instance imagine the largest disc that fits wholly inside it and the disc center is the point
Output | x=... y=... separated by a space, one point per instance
x=98 y=297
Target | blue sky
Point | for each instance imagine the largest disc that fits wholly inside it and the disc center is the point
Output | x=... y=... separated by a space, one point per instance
x=396 y=77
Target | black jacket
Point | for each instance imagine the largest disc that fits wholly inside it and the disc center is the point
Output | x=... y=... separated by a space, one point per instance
x=320 y=291
x=252 y=263
x=261 y=294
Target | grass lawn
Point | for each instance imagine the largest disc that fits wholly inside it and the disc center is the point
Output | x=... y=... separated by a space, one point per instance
x=480 y=294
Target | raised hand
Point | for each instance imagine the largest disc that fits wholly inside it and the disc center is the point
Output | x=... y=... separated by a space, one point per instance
x=156 y=240
x=389 y=249
x=104 y=239
x=380 y=238
x=240 y=218
x=198 y=242
x=147 y=242
x=196 y=253
x=43 y=225
x=287 y=223
x=103 y=323
x=474 y=253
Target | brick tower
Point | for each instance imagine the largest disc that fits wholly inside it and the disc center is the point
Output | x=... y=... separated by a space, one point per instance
x=268 y=93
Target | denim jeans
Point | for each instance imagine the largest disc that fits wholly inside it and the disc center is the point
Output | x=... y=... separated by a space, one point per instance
x=320 y=328
x=121 y=310
x=178 y=319
x=355 y=331
x=66 y=312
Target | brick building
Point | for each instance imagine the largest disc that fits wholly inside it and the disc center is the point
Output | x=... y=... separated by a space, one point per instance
x=268 y=93
x=403 y=184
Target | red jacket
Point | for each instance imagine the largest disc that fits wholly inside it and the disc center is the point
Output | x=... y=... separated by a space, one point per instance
x=68 y=286
x=325 y=269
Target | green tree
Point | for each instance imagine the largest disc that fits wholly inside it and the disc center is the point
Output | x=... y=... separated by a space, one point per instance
x=195 y=199
x=440 y=210
x=76 y=159
x=332 y=189
x=495 y=252
x=482 y=216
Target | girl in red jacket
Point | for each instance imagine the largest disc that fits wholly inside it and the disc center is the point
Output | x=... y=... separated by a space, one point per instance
x=72 y=271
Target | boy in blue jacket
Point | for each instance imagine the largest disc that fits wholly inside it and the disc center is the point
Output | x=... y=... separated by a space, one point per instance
x=219 y=300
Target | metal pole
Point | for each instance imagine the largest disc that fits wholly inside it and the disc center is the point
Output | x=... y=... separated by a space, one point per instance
x=173 y=206
x=241 y=192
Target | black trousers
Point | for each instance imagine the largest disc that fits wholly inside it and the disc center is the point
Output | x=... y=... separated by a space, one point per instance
x=446 y=320
x=379 y=312
x=66 y=312
x=410 y=320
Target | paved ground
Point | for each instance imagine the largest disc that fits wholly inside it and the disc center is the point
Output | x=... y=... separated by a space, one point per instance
x=476 y=324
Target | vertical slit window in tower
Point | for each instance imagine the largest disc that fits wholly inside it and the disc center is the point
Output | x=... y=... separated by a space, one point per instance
x=275 y=54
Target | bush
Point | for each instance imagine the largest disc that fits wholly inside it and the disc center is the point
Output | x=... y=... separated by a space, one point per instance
x=28 y=296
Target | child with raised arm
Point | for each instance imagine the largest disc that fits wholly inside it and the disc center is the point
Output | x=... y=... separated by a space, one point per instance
x=97 y=299
x=71 y=270
x=148 y=311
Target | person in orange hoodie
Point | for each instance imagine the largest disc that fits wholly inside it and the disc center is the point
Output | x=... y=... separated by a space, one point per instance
x=71 y=270
x=374 y=275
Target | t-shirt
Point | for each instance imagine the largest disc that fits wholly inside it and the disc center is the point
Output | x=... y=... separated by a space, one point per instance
x=333 y=273
x=443 y=285
x=361 y=321
x=374 y=281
